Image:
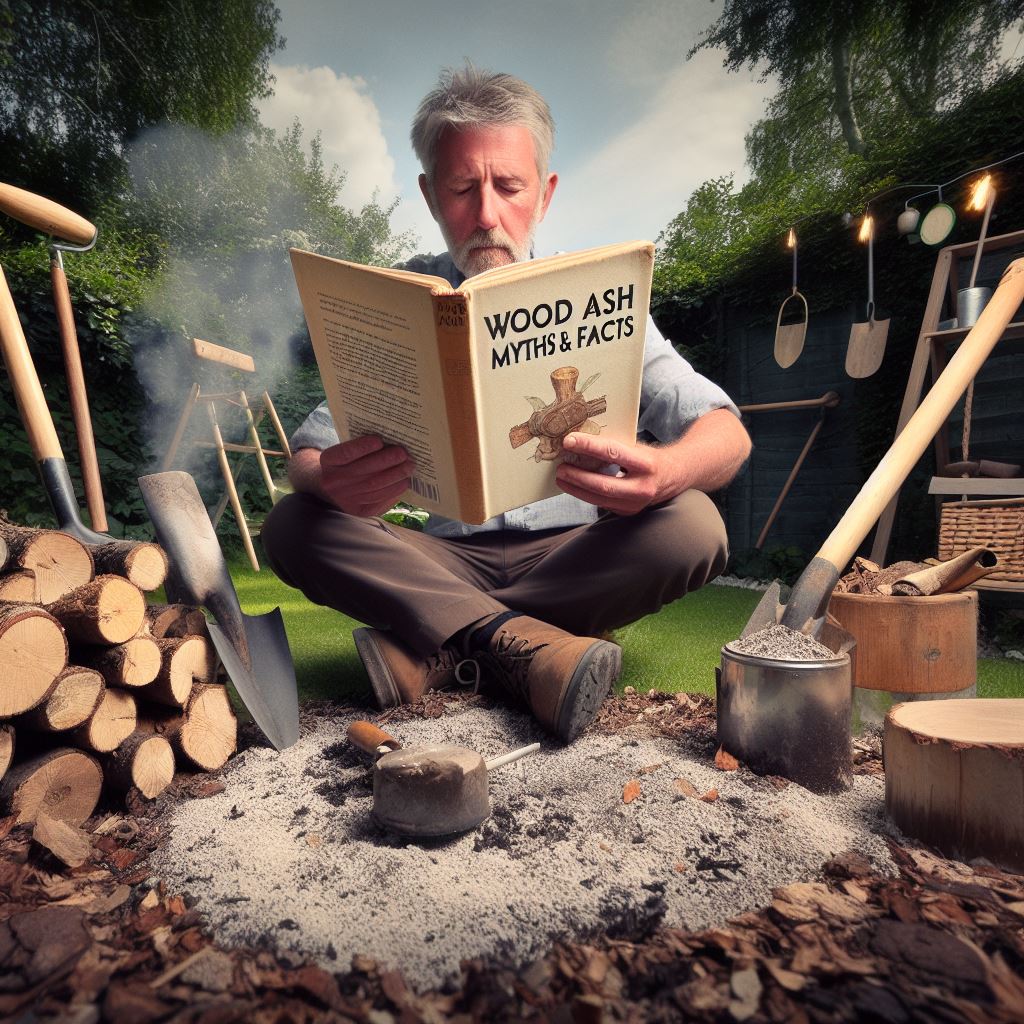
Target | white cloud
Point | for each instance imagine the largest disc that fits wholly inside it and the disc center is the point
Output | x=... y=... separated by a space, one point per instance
x=692 y=130
x=340 y=108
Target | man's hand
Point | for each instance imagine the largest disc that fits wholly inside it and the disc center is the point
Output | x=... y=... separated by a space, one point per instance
x=705 y=458
x=641 y=480
x=363 y=477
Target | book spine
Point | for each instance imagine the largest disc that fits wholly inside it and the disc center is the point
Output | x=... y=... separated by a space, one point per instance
x=451 y=318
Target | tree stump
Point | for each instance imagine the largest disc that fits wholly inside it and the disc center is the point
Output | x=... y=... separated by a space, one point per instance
x=110 y=724
x=59 y=561
x=954 y=776
x=140 y=562
x=107 y=610
x=33 y=651
x=63 y=784
x=143 y=761
x=72 y=701
x=136 y=662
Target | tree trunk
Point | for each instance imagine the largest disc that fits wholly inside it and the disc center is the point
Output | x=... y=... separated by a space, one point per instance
x=954 y=776
x=33 y=652
x=59 y=561
x=63 y=784
x=842 y=77
x=107 y=610
x=144 y=762
x=136 y=662
x=142 y=563
x=72 y=702
x=112 y=722
x=19 y=585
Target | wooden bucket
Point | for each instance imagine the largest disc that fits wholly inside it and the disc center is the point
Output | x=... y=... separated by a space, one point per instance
x=909 y=648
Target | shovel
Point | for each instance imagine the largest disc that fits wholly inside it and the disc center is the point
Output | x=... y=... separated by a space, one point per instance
x=789 y=338
x=804 y=610
x=53 y=469
x=254 y=648
x=428 y=791
x=867 y=339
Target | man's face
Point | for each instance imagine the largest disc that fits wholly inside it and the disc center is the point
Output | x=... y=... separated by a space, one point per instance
x=487 y=196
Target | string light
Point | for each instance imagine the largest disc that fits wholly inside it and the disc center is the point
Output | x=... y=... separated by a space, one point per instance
x=867 y=227
x=980 y=193
x=791 y=239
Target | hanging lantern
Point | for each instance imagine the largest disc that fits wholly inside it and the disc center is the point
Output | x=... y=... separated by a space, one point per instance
x=906 y=223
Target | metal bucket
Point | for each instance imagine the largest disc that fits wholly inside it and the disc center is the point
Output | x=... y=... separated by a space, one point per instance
x=969 y=304
x=789 y=718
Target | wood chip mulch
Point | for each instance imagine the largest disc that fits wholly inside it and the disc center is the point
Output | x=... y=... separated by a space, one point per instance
x=942 y=941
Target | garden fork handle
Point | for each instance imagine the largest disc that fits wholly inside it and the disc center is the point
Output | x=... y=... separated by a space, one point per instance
x=45 y=215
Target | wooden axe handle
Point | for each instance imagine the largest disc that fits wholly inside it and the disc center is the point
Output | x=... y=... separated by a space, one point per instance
x=45 y=215
x=367 y=737
x=883 y=484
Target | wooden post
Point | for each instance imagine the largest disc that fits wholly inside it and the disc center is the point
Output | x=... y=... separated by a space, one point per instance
x=229 y=482
x=179 y=430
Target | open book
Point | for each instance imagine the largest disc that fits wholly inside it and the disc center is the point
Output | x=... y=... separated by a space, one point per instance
x=481 y=383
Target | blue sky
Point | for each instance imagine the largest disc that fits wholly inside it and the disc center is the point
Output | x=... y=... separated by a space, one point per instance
x=638 y=126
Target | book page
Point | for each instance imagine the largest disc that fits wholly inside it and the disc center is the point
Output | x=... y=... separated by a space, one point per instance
x=374 y=338
x=556 y=347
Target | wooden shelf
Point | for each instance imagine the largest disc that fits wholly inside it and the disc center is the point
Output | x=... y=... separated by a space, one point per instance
x=995 y=486
x=1012 y=332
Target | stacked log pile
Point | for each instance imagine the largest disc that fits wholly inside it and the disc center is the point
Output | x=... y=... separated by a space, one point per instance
x=97 y=687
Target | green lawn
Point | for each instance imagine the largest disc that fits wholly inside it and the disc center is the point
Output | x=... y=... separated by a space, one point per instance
x=677 y=649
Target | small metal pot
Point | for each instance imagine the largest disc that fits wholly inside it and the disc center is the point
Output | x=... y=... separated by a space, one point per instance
x=969 y=304
x=789 y=718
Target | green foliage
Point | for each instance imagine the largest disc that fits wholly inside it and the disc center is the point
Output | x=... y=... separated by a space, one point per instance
x=80 y=81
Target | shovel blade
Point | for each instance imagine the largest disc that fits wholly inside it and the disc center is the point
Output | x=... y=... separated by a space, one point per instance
x=866 y=348
x=801 y=607
x=768 y=611
x=789 y=343
x=272 y=697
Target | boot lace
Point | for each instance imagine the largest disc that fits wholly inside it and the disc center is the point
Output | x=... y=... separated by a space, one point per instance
x=465 y=670
x=509 y=659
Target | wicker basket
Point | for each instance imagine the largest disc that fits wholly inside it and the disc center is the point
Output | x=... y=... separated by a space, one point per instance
x=997 y=523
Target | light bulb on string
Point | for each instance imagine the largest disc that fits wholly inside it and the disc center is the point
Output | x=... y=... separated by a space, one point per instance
x=867 y=228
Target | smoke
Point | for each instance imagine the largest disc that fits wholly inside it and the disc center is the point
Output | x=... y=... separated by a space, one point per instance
x=227 y=209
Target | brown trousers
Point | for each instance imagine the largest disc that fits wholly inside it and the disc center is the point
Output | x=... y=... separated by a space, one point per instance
x=584 y=580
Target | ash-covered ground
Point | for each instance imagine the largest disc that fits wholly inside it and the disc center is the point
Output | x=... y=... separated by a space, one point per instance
x=289 y=854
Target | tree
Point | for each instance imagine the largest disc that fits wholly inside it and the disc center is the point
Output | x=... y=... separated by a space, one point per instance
x=841 y=62
x=80 y=79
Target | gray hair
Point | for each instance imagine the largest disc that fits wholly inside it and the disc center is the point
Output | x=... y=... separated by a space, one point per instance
x=471 y=97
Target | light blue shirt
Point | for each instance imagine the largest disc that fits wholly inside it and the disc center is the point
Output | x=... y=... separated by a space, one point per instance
x=672 y=395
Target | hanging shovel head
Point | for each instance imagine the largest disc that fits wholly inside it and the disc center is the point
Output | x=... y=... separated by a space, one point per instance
x=789 y=338
x=254 y=648
x=866 y=347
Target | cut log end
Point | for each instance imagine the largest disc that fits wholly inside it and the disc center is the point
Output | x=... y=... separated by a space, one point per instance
x=144 y=762
x=33 y=651
x=107 y=610
x=6 y=747
x=209 y=734
x=175 y=620
x=110 y=724
x=59 y=561
x=141 y=562
x=72 y=701
x=62 y=784
x=19 y=586
x=136 y=662
x=954 y=776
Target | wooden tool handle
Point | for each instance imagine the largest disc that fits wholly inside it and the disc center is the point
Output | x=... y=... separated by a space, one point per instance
x=922 y=427
x=24 y=380
x=46 y=215
x=367 y=737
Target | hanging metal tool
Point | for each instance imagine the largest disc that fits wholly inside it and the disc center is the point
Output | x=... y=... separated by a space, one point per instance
x=789 y=338
x=867 y=338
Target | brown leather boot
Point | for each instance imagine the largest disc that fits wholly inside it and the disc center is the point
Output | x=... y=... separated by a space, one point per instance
x=563 y=679
x=398 y=675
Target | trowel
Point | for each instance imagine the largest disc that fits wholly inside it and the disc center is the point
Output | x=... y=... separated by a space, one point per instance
x=254 y=648
x=866 y=347
x=804 y=608
x=789 y=338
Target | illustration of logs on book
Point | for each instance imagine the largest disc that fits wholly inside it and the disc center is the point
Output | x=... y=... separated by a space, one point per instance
x=98 y=689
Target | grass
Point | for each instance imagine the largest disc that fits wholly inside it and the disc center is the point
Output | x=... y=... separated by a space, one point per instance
x=676 y=649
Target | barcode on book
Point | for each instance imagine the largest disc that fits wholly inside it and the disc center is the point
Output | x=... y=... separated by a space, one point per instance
x=424 y=490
